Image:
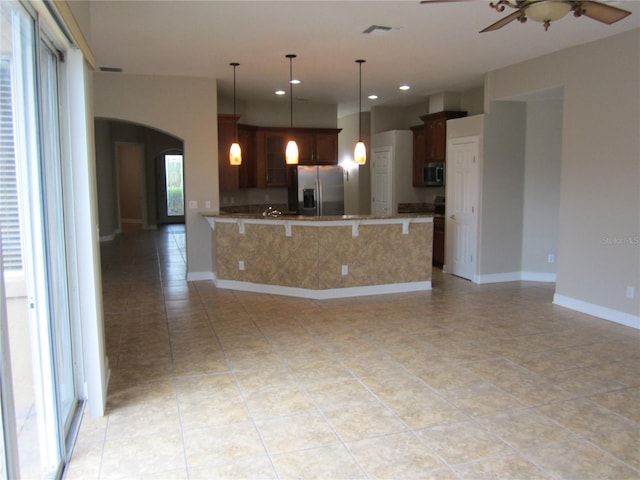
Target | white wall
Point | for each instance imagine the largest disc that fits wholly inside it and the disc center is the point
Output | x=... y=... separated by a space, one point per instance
x=358 y=187
x=502 y=186
x=599 y=222
x=532 y=160
x=541 y=188
x=277 y=113
x=401 y=143
x=106 y=180
x=186 y=108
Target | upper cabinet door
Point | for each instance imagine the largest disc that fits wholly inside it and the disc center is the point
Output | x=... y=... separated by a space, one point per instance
x=248 y=169
x=436 y=140
x=306 y=151
x=326 y=149
x=275 y=163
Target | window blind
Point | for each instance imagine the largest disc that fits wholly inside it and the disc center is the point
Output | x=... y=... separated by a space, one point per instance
x=9 y=212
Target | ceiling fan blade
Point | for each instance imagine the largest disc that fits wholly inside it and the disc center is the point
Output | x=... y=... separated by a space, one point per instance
x=602 y=12
x=501 y=23
x=441 y=1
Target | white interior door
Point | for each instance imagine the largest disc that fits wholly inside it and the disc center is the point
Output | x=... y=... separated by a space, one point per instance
x=462 y=206
x=381 y=184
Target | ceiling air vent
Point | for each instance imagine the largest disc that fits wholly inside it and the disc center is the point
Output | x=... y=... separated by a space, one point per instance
x=377 y=30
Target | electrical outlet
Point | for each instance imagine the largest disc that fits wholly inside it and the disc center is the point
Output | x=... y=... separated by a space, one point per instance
x=207 y=204
x=193 y=204
x=631 y=292
x=345 y=269
x=551 y=258
x=241 y=265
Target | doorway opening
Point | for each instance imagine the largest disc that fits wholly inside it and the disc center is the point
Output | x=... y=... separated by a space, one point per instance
x=174 y=185
x=170 y=167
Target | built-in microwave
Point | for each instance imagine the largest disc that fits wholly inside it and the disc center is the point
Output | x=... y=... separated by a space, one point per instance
x=433 y=174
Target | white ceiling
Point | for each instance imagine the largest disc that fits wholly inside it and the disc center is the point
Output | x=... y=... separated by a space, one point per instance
x=434 y=48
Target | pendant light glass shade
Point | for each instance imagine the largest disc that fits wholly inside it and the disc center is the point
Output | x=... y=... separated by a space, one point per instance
x=291 y=152
x=360 y=152
x=235 y=153
x=547 y=11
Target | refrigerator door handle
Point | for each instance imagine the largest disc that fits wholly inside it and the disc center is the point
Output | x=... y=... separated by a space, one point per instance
x=319 y=199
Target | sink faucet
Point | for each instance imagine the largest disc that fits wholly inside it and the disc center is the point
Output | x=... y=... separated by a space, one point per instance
x=271 y=212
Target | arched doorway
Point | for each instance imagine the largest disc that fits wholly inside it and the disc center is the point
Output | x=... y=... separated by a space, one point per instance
x=154 y=144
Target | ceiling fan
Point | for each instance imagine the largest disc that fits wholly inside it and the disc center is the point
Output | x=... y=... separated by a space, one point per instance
x=547 y=11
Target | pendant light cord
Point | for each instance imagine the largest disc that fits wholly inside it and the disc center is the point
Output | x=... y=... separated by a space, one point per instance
x=359 y=102
x=234 y=65
x=291 y=57
x=360 y=62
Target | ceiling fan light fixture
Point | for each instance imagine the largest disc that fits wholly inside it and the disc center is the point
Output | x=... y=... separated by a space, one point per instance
x=547 y=11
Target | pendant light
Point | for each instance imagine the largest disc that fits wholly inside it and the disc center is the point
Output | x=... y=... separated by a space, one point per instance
x=235 y=153
x=360 y=152
x=291 y=152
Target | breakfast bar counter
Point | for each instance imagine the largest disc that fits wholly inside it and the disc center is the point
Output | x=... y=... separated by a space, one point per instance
x=322 y=257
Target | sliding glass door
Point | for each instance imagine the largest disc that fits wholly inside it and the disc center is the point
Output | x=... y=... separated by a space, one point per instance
x=33 y=190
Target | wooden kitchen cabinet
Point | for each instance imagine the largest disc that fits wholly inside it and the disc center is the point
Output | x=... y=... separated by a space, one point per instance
x=316 y=146
x=326 y=147
x=430 y=142
x=438 y=241
x=229 y=175
x=248 y=170
x=234 y=177
x=275 y=165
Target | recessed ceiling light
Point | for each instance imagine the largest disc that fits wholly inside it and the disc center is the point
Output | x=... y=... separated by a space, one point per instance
x=373 y=96
x=404 y=87
x=295 y=82
x=280 y=92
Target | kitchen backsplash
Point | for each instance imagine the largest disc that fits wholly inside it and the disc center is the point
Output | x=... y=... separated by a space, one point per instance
x=416 y=207
x=253 y=208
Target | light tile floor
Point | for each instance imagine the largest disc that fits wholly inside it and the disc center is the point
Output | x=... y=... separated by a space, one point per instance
x=463 y=382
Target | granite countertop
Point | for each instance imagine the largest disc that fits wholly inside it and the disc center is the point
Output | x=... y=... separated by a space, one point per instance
x=285 y=216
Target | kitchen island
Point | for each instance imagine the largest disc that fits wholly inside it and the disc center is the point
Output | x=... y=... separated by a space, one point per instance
x=322 y=257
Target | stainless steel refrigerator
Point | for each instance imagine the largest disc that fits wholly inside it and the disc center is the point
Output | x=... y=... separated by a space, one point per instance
x=316 y=190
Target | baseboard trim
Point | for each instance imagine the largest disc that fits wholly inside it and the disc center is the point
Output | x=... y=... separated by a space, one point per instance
x=199 y=276
x=498 y=277
x=599 y=311
x=516 y=277
x=108 y=238
x=327 y=293
x=538 y=277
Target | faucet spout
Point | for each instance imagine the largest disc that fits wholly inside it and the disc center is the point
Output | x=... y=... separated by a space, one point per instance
x=271 y=212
